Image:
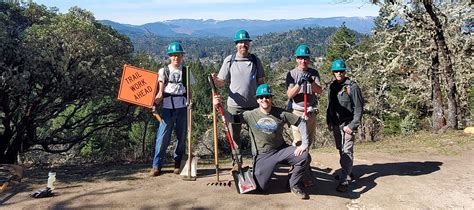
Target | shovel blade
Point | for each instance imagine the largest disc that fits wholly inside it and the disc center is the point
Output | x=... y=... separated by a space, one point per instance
x=244 y=181
x=185 y=171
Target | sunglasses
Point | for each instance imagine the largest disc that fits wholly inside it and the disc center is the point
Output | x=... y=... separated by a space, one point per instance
x=176 y=55
x=264 y=97
x=340 y=71
x=303 y=58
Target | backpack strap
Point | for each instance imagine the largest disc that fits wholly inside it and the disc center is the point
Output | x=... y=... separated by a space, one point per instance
x=348 y=89
x=232 y=59
x=166 y=75
x=184 y=76
x=253 y=59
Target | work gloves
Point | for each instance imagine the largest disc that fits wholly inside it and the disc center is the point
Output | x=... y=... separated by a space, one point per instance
x=305 y=77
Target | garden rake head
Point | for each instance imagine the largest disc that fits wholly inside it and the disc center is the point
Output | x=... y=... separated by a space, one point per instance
x=219 y=183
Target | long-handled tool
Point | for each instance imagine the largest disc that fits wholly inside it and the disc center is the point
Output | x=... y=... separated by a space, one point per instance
x=216 y=147
x=156 y=111
x=191 y=161
x=243 y=177
x=305 y=98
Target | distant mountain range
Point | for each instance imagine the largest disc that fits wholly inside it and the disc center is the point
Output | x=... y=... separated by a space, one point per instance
x=227 y=28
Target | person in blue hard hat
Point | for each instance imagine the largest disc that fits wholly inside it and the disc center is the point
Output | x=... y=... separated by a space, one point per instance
x=296 y=78
x=243 y=71
x=172 y=97
x=344 y=114
x=266 y=124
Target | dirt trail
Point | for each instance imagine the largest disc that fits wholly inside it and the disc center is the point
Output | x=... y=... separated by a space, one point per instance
x=388 y=181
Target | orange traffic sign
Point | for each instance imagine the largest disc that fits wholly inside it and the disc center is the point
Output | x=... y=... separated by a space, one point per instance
x=138 y=86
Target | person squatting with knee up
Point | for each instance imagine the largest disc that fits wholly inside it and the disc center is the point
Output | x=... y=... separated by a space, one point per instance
x=266 y=124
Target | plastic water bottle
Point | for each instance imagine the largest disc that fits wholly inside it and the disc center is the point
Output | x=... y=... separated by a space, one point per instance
x=51 y=179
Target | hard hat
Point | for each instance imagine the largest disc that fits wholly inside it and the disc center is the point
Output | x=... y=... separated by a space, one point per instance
x=338 y=65
x=242 y=35
x=174 y=47
x=263 y=90
x=302 y=51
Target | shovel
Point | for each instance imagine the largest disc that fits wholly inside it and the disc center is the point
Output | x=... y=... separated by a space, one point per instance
x=191 y=161
x=243 y=177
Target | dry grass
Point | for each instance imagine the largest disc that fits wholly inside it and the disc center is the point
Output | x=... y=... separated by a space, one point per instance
x=449 y=143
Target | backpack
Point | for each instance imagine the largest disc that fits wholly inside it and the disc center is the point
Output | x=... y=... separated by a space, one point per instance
x=253 y=59
x=349 y=93
x=166 y=75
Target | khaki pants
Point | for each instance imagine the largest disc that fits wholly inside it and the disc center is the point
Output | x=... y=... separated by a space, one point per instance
x=345 y=145
x=310 y=127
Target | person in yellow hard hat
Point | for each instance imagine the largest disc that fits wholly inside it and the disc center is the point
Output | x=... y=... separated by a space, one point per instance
x=172 y=97
x=244 y=72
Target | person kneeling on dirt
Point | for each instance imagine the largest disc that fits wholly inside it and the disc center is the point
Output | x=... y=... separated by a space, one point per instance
x=268 y=147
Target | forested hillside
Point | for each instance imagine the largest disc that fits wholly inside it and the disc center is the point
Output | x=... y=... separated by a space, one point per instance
x=60 y=75
x=271 y=47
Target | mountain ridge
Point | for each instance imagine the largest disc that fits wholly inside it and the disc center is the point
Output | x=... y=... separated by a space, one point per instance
x=227 y=28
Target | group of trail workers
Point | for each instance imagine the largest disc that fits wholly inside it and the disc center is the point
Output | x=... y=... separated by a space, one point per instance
x=250 y=102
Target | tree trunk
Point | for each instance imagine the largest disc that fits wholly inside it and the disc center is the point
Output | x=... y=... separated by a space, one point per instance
x=452 y=121
x=7 y=135
x=13 y=148
x=437 y=101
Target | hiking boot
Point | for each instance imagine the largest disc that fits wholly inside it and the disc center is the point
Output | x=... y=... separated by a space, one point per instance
x=337 y=177
x=155 y=171
x=343 y=186
x=235 y=167
x=177 y=166
x=308 y=183
x=298 y=192
x=176 y=171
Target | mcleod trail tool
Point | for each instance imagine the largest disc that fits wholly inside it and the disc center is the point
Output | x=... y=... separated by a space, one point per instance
x=192 y=161
x=216 y=147
x=243 y=177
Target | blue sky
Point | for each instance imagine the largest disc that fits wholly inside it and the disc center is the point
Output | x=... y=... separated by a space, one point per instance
x=146 y=11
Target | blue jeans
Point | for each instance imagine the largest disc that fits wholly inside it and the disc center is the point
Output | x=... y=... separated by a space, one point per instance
x=170 y=119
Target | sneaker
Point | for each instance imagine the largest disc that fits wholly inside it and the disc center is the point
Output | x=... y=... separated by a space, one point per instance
x=155 y=172
x=342 y=187
x=298 y=192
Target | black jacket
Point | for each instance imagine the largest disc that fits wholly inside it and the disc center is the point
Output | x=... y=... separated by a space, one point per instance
x=345 y=105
